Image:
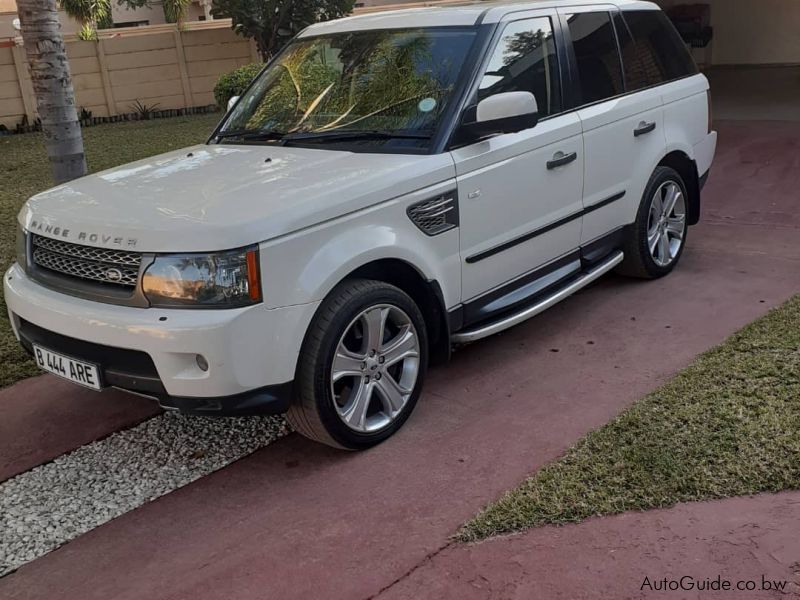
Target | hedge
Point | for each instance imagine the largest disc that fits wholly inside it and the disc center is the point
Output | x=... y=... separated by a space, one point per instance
x=234 y=83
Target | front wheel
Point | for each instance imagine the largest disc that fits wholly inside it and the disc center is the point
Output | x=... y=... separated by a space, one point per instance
x=656 y=239
x=361 y=367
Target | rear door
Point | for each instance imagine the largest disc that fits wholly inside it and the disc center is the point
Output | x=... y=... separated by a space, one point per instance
x=623 y=132
x=518 y=209
x=666 y=62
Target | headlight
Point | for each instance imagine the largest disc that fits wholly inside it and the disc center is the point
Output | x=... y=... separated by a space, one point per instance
x=218 y=280
x=22 y=247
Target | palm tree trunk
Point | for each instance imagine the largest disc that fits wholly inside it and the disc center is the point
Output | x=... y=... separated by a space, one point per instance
x=52 y=86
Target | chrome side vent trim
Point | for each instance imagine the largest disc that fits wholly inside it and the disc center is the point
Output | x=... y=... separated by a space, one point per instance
x=435 y=215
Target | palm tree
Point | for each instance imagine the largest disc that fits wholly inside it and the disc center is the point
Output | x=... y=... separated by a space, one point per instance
x=52 y=86
x=87 y=13
x=175 y=10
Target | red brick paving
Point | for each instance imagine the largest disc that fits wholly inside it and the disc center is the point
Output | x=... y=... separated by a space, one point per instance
x=626 y=556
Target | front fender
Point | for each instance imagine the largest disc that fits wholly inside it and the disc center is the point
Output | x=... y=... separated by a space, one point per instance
x=306 y=266
x=347 y=253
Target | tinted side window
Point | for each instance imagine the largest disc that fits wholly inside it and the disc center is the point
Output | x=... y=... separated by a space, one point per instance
x=595 y=43
x=635 y=73
x=662 y=53
x=525 y=61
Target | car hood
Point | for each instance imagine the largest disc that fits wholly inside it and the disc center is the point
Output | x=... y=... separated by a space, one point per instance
x=216 y=197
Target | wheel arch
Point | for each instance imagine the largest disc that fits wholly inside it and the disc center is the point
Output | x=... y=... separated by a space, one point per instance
x=427 y=294
x=687 y=168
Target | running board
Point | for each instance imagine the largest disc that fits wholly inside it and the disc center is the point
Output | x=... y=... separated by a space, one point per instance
x=471 y=335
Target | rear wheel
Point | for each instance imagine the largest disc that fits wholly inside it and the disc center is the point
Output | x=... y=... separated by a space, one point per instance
x=361 y=367
x=657 y=237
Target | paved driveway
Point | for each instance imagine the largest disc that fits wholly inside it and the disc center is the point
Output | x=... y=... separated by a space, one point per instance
x=297 y=520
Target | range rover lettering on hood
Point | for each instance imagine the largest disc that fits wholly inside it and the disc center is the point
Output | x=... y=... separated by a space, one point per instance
x=168 y=203
x=82 y=236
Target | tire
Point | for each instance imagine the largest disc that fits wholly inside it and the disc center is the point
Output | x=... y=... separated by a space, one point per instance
x=373 y=395
x=641 y=260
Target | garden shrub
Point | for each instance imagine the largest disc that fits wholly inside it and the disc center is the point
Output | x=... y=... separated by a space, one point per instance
x=234 y=83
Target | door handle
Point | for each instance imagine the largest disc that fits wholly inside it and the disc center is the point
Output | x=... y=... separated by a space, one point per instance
x=560 y=159
x=643 y=128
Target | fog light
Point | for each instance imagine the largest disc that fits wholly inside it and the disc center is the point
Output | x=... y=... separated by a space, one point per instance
x=202 y=362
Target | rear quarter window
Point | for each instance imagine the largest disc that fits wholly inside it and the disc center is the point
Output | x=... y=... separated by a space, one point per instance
x=661 y=55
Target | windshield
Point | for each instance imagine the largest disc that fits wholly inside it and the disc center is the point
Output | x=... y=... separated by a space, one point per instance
x=386 y=87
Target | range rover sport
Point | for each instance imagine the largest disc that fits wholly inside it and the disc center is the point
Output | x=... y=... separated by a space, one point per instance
x=389 y=186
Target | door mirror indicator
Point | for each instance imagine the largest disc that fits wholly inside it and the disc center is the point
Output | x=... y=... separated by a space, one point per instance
x=508 y=112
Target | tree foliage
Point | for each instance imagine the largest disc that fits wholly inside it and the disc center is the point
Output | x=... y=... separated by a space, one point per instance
x=522 y=44
x=272 y=23
x=235 y=82
x=175 y=10
x=106 y=22
x=88 y=13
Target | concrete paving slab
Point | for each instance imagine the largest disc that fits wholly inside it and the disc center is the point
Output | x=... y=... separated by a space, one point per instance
x=297 y=520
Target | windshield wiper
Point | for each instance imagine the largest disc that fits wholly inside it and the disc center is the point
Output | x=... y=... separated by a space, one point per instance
x=369 y=134
x=251 y=134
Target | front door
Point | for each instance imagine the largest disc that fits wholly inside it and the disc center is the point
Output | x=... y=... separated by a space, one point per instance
x=520 y=194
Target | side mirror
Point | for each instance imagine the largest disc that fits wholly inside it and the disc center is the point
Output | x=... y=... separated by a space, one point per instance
x=232 y=101
x=508 y=112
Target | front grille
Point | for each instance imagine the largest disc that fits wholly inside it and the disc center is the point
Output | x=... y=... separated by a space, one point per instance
x=436 y=215
x=117 y=267
x=106 y=255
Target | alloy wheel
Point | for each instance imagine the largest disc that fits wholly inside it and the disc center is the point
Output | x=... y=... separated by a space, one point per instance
x=666 y=224
x=375 y=368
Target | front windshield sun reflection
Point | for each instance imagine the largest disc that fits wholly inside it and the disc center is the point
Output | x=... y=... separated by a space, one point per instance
x=394 y=84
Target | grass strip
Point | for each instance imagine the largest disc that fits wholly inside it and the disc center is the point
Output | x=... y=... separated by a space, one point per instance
x=728 y=425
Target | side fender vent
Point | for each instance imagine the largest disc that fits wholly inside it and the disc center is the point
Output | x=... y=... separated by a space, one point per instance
x=435 y=215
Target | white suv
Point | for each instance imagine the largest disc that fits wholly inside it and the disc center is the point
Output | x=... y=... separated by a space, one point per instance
x=388 y=186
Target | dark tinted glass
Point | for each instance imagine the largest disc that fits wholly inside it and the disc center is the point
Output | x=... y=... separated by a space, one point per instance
x=595 y=44
x=661 y=52
x=635 y=74
x=525 y=61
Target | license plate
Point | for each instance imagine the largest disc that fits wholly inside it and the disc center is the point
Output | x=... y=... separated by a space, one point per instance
x=76 y=371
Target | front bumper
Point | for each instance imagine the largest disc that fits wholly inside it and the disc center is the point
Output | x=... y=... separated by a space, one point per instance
x=251 y=352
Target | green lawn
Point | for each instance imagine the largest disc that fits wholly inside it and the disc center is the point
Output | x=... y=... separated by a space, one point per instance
x=24 y=171
x=729 y=425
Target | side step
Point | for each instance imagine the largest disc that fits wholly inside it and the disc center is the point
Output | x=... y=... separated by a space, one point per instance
x=471 y=335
